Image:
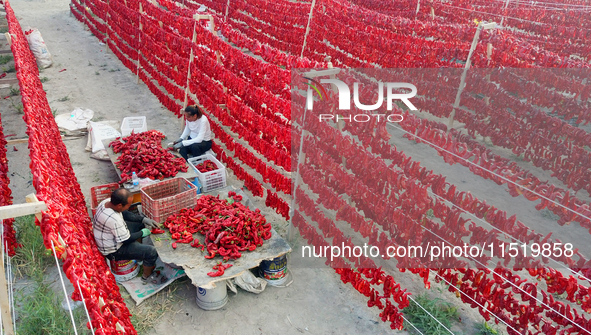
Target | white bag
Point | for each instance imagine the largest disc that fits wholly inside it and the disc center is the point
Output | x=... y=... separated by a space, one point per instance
x=98 y=132
x=248 y=282
x=37 y=46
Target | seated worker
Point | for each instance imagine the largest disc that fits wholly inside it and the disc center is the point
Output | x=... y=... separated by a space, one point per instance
x=116 y=230
x=198 y=131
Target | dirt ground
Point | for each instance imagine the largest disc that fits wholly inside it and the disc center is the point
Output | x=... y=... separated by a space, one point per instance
x=86 y=75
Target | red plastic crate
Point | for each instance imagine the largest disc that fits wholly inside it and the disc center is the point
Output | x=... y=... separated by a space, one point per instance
x=168 y=197
x=100 y=193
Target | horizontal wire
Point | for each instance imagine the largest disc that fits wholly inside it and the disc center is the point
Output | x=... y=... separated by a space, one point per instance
x=511 y=283
x=505 y=233
x=503 y=321
x=426 y=311
x=494 y=173
x=500 y=15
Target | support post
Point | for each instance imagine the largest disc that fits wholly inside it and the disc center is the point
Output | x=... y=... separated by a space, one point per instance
x=506 y=5
x=107 y=29
x=307 y=28
x=5 y=303
x=481 y=26
x=186 y=100
x=227 y=9
x=141 y=27
x=418 y=6
x=310 y=74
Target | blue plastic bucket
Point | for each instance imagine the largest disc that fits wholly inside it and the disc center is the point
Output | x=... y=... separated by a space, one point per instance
x=274 y=271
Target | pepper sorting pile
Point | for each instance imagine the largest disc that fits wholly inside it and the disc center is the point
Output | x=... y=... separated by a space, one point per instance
x=143 y=154
x=206 y=166
x=229 y=228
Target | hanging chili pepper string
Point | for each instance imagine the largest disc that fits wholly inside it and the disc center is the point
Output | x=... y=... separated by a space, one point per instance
x=431 y=315
x=519 y=288
x=55 y=183
x=344 y=149
x=323 y=196
x=8 y=233
x=476 y=302
x=495 y=174
x=503 y=232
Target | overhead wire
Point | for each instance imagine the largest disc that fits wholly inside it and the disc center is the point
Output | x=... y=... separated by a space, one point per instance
x=493 y=173
x=508 y=281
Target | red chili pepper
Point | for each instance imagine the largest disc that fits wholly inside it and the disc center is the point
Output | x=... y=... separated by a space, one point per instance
x=174 y=245
x=158 y=231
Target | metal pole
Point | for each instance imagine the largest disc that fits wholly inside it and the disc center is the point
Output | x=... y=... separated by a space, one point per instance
x=308 y=27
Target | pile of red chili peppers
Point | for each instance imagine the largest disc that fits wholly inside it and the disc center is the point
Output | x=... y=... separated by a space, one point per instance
x=206 y=166
x=143 y=154
x=229 y=228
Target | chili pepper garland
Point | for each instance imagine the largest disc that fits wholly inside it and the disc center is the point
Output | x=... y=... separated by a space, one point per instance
x=6 y=198
x=229 y=227
x=67 y=215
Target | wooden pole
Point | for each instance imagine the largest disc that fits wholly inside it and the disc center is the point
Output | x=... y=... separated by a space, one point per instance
x=308 y=28
x=141 y=26
x=418 y=6
x=227 y=9
x=107 y=28
x=5 y=303
x=506 y=5
x=193 y=40
x=432 y=13
x=463 y=78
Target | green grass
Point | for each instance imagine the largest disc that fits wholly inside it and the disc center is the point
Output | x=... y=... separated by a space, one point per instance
x=39 y=306
x=485 y=329
x=546 y=213
x=5 y=59
x=3 y=30
x=44 y=79
x=18 y=107
x=441 y=310
x=15 y=91
x=66 y=98
x=32 y=259
x=97 y=73
x=41 y=313
x=9 y=69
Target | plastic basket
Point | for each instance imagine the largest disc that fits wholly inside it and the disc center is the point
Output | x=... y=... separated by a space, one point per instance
x=209 y=180
x=167 y=197
x=137 y=124
x=100 y=193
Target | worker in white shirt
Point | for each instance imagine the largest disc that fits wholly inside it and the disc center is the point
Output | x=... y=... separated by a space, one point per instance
x=196 y=138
